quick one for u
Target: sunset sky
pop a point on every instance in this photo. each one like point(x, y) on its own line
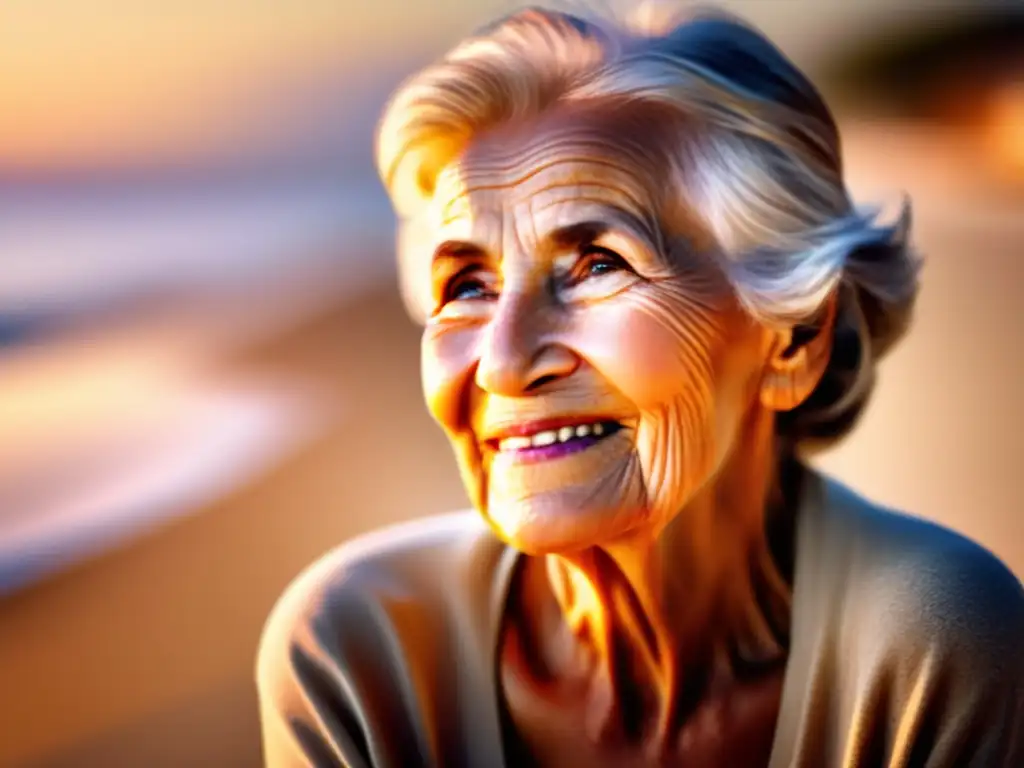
point(91, 82)
point(109, 83)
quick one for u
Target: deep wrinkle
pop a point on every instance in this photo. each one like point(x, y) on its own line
point(664, 599)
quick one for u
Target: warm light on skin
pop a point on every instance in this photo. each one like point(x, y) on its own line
point(647, 236)
point(655, 342)
point(656, 532)
point(613, 342)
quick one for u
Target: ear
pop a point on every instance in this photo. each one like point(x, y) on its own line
point(798, 361)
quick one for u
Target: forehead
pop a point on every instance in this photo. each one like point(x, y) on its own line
point(548, 168)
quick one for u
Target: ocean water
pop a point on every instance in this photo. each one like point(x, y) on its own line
point(71, 249)
point(129, 454)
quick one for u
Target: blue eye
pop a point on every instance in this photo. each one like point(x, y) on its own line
point(596, 261)
point(469, 284)
point(469, 289)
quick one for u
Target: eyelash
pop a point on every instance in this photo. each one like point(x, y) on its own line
point(590, 256)
point(462, 279)
point(595, 255)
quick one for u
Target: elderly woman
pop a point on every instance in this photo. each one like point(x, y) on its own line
point(644, 287)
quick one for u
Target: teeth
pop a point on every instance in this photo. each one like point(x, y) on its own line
point(551, 436)
point(547, 437)
point(514, 444)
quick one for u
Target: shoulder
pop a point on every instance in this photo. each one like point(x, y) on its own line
point(911, 623)
point(364, 631)
point(925, 582)
point(424, 561)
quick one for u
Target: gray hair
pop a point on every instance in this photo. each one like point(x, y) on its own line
point(760, 167)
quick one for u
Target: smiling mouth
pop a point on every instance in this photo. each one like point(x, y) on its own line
point(556, 442)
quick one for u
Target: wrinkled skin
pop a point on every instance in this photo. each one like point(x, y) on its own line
point(569, 288)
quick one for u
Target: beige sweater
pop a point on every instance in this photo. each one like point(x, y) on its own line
point(907, 648)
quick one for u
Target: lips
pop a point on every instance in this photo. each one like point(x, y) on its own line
point(567, 433)
point(551, 437)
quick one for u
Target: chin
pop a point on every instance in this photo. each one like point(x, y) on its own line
point(557, 526)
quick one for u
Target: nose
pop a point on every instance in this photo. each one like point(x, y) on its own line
point(519, 353)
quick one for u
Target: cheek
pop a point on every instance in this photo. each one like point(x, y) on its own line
point(447, 363)
point(652, 349)
point(667, 354)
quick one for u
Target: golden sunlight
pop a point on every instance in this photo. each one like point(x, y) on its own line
point(85, 83)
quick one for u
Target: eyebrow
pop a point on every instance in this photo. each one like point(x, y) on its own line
point(577, 235)
point(457, 249)
point(567, 237)
point(453, 251)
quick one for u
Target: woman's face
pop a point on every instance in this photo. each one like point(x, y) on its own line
point(585, 355)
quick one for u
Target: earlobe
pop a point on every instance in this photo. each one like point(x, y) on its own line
point(798, 361)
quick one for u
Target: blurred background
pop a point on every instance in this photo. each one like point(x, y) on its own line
point(207, 378)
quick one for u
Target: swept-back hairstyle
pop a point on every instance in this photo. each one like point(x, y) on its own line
point(758, 163)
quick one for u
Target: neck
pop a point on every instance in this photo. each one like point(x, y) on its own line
point(659, 621)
